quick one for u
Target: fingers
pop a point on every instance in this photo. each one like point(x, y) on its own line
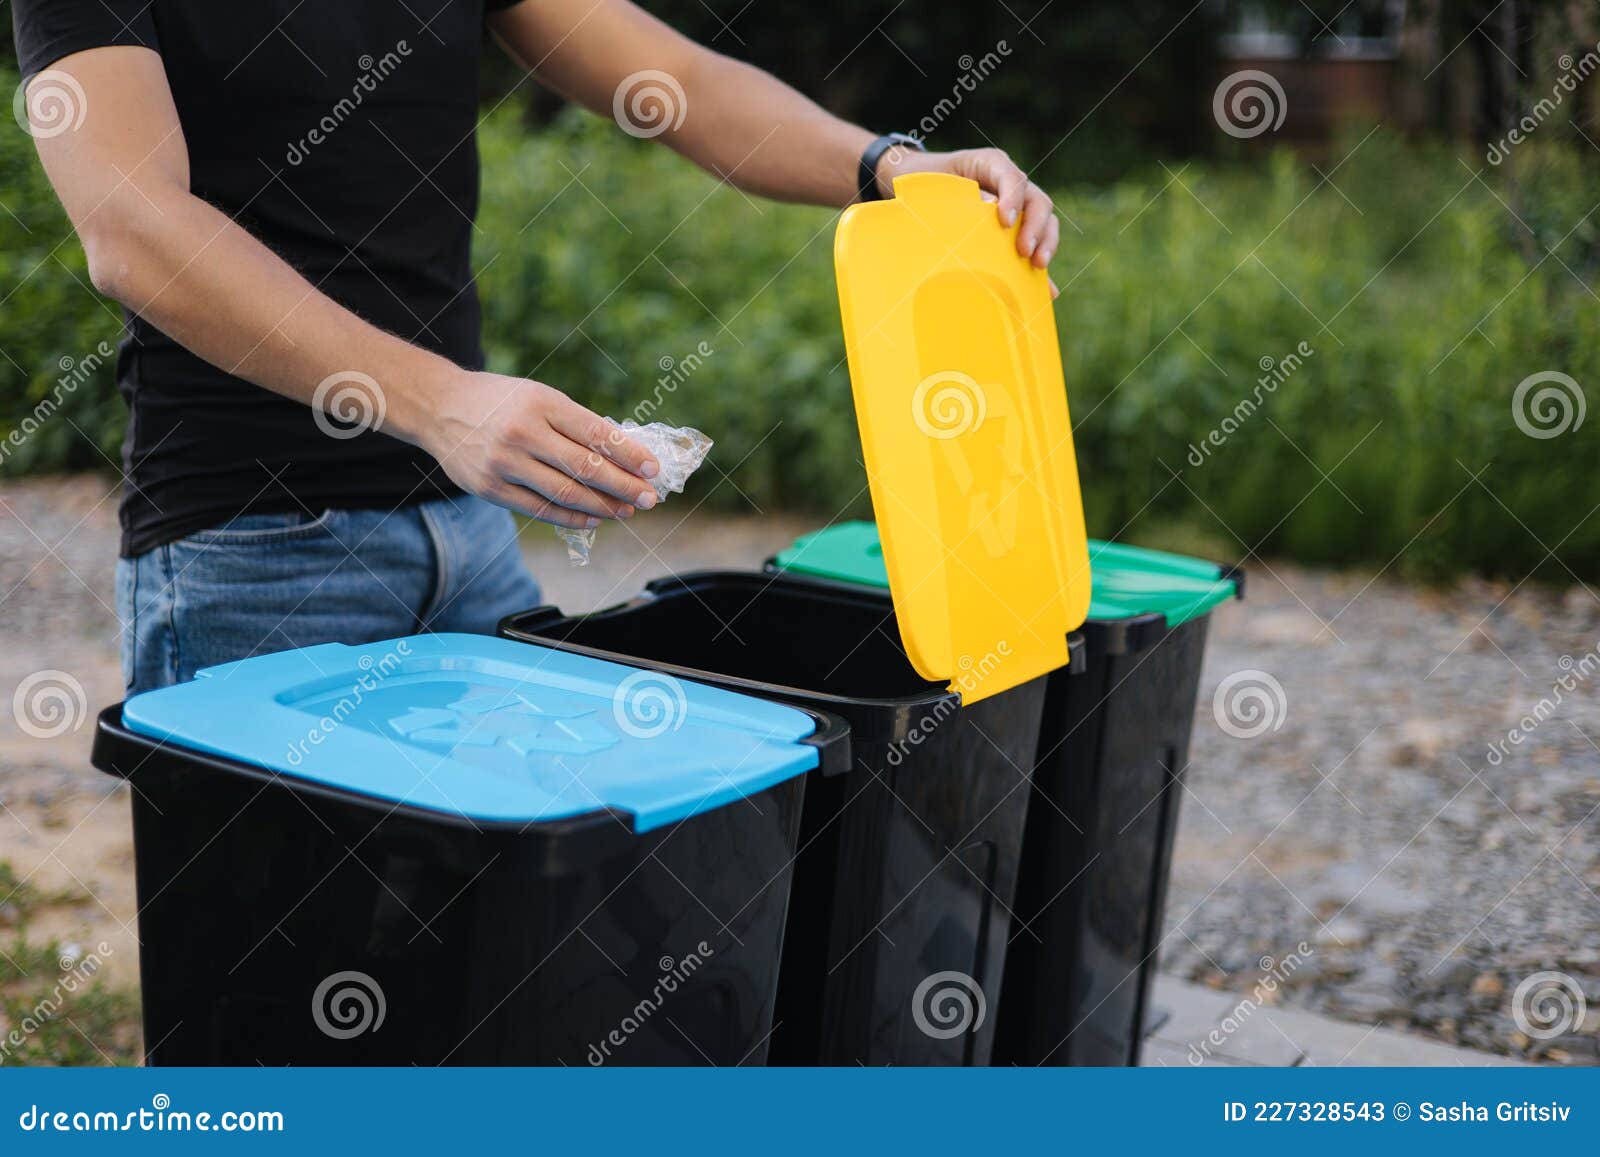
point(1016, 198)
point(563, 489)
point(537, 506)
point(594, 471)
point(1049, 239)
point(590, 430)
point(999, 174)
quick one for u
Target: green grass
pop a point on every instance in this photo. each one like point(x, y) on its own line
point(1426, 294)
point(54, 1009)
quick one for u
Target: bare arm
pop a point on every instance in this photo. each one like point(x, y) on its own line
point(172, 258)
point(733, 120)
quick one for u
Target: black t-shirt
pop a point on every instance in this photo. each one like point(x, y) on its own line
point(342, 136)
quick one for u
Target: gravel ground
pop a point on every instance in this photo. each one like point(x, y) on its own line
point(1428, 873)
point(1367, 820)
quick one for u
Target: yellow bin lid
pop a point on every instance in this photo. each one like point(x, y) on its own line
point(957, 379)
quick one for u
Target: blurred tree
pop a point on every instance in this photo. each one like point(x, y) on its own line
point(1100, 85)
point(1092, 88)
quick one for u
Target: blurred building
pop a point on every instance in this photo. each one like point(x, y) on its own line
point(1332, 74)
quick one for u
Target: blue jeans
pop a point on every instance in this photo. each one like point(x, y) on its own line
point(269, 582)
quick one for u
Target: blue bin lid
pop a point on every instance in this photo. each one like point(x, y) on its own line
point(487, 729)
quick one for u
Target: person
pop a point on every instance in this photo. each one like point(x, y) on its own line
point(281, 195)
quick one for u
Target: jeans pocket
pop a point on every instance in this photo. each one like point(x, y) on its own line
point(264, 529)
point(128, 616)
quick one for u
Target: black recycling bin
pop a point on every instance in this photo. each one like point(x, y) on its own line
point(460, 850)
point(900, 907)
point(1106, 787)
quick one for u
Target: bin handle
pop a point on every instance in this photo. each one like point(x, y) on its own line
point(832, 741)
point(537, 619)
point(688, 579)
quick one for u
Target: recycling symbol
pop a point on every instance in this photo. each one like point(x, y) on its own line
point(489, 718)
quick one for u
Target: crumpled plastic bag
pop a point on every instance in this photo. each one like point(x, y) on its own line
point(678, 449)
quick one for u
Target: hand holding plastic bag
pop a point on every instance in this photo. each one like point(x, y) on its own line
point(678, 449)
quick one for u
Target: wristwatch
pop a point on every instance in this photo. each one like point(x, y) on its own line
point(867, 177)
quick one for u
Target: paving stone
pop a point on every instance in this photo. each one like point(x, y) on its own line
point(1192, 1010)
point(1286, 1036)
point(1329, 1042)
point(1163, 1054)
point(1260, 1041)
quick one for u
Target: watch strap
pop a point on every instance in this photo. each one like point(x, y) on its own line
point(867, 175)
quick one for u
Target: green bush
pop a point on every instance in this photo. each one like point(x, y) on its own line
point(617, 272)
point(1424, 302)
point(51, 320)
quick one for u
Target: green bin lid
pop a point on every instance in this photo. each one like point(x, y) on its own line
point(1128, 581)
